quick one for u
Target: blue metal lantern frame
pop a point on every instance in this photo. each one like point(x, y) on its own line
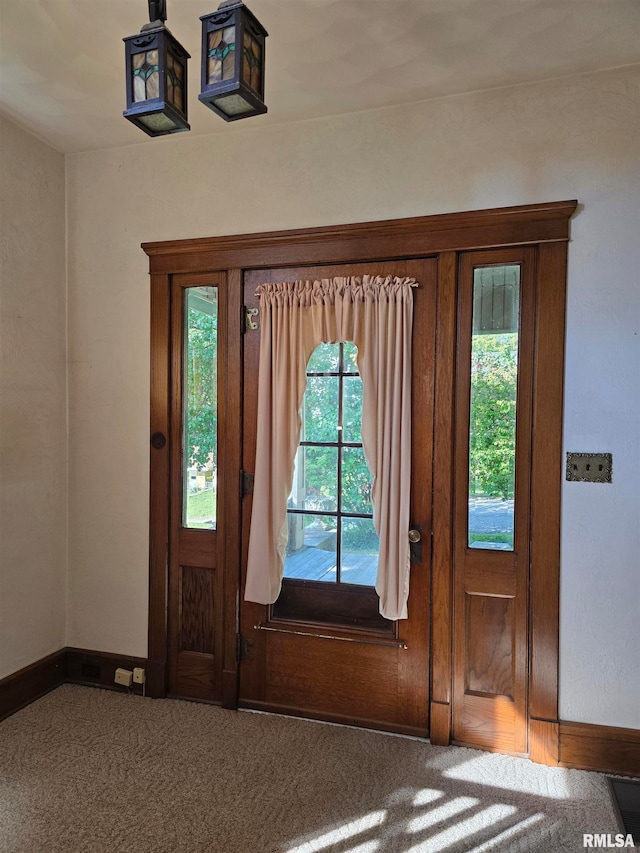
point(160, 39)
point(232, 14)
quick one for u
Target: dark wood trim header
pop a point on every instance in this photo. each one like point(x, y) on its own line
point(398, 238)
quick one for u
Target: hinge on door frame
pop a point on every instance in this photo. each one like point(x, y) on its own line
point(243, 648)
point(246, 483)
point(248, 322)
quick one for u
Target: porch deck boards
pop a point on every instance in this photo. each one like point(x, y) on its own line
point(315, 564)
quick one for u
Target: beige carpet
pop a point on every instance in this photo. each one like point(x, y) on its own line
point(86, 770)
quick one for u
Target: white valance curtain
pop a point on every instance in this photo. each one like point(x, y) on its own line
point(376, 314)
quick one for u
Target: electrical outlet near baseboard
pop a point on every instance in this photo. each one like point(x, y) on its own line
point(138, 675)
point(123, 676)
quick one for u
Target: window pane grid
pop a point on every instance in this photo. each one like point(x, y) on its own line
point(342, 533)
point(330, 514)
point(354, 444)
point(339, 525)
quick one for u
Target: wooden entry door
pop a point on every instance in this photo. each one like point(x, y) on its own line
point(322, 650)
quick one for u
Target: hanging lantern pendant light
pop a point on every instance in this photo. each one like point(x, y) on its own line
point(156, 75)
point(233, 43)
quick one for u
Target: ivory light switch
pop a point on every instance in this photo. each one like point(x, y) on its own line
point(589, 467)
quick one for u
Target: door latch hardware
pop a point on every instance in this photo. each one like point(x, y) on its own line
point(158, 441)
point(415, 544)
point(244, 648)
point(246, 483)
point(249, 324)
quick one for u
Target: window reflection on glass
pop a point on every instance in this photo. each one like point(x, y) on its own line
point(331, 533)
point(356, 481)
point(320, 409)
point(359, 551)
point(349, 358)
point(492, 433)
point(315, 479)
point(200, 413)
point(325, 359)
point(312, 547)
point(352, 409)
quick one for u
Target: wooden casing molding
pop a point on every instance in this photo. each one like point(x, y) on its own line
point(364, 241)
point(545, 227)
point(585, 746)
point(604, 748)
point(579, 745)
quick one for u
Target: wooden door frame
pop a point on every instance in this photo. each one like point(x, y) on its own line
point(162, 378)
point(545, 226)
point(300, 677)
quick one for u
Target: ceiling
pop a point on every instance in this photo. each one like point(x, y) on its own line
point(62, 61)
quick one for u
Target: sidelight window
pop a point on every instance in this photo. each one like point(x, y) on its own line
point(200, 407)
point(492, 417)
point(330, 516)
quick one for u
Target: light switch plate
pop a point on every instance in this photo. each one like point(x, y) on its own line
point(589, 467)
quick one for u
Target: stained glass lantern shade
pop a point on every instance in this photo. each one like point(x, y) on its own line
point(233, 62)
point(156, 71)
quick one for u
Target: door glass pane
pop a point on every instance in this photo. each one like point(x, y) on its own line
point(315, 479)
point(320, 409)
point(200, 414)
point(358, 551)
point(331, 481)
point(350, 355)
point(312, 546)
point(352, 409)
point(492, 433)
point(356, 482)
point(324, 359)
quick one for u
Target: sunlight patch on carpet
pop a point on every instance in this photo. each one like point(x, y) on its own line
point(459, 831)
point(422, 798)
point(538, 780)
point(509, 834)
point(342, 833)
point(453, 807)
point(368, 847)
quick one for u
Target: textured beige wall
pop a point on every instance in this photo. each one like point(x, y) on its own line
point(572, 138)
point(33, 401)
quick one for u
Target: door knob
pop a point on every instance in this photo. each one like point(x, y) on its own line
point(414, 536)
